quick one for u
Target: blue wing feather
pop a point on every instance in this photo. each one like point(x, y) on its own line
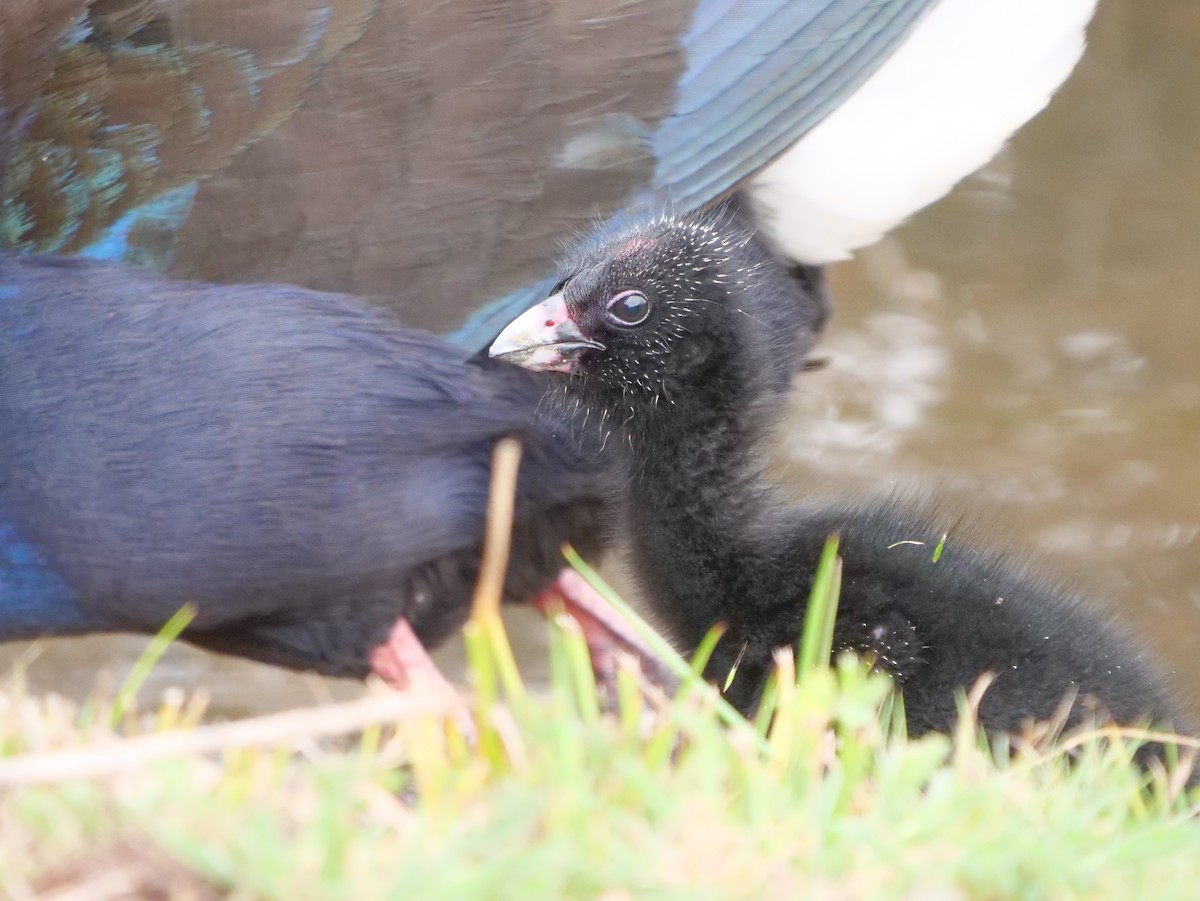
point(34, 600)
point(762, 73)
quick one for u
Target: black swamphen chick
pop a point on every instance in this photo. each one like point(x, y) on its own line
point(667, 334)
point(312, 476)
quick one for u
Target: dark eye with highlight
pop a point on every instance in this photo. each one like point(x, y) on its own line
point(629, 308)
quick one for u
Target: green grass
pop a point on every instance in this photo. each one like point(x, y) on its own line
point(552, 797)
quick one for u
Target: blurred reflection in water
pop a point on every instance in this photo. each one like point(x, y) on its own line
point(1029, 349)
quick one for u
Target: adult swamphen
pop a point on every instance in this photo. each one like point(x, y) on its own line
point(432, 156)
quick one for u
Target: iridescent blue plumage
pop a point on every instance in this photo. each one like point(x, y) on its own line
point(34, 600)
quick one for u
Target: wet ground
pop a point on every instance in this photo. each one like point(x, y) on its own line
point(1028, 349)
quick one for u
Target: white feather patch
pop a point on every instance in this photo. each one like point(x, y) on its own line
point(969, 75)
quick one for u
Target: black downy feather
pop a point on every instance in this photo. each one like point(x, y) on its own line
point(688, 394)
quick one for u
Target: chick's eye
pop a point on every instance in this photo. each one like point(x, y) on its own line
point(629, 308)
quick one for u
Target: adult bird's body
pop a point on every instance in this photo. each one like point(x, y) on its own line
point(295, 464)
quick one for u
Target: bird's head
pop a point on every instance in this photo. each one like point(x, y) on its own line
point(669, 308)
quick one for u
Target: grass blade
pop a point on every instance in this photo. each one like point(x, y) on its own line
point(816, 640)
point(140, 671)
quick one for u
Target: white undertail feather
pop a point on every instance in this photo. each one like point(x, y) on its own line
point(969, 75)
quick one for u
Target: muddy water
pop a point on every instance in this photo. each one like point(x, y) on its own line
point(1028, 350)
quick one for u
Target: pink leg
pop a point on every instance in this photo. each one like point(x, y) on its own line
point(403, 663)
point(603, 630)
